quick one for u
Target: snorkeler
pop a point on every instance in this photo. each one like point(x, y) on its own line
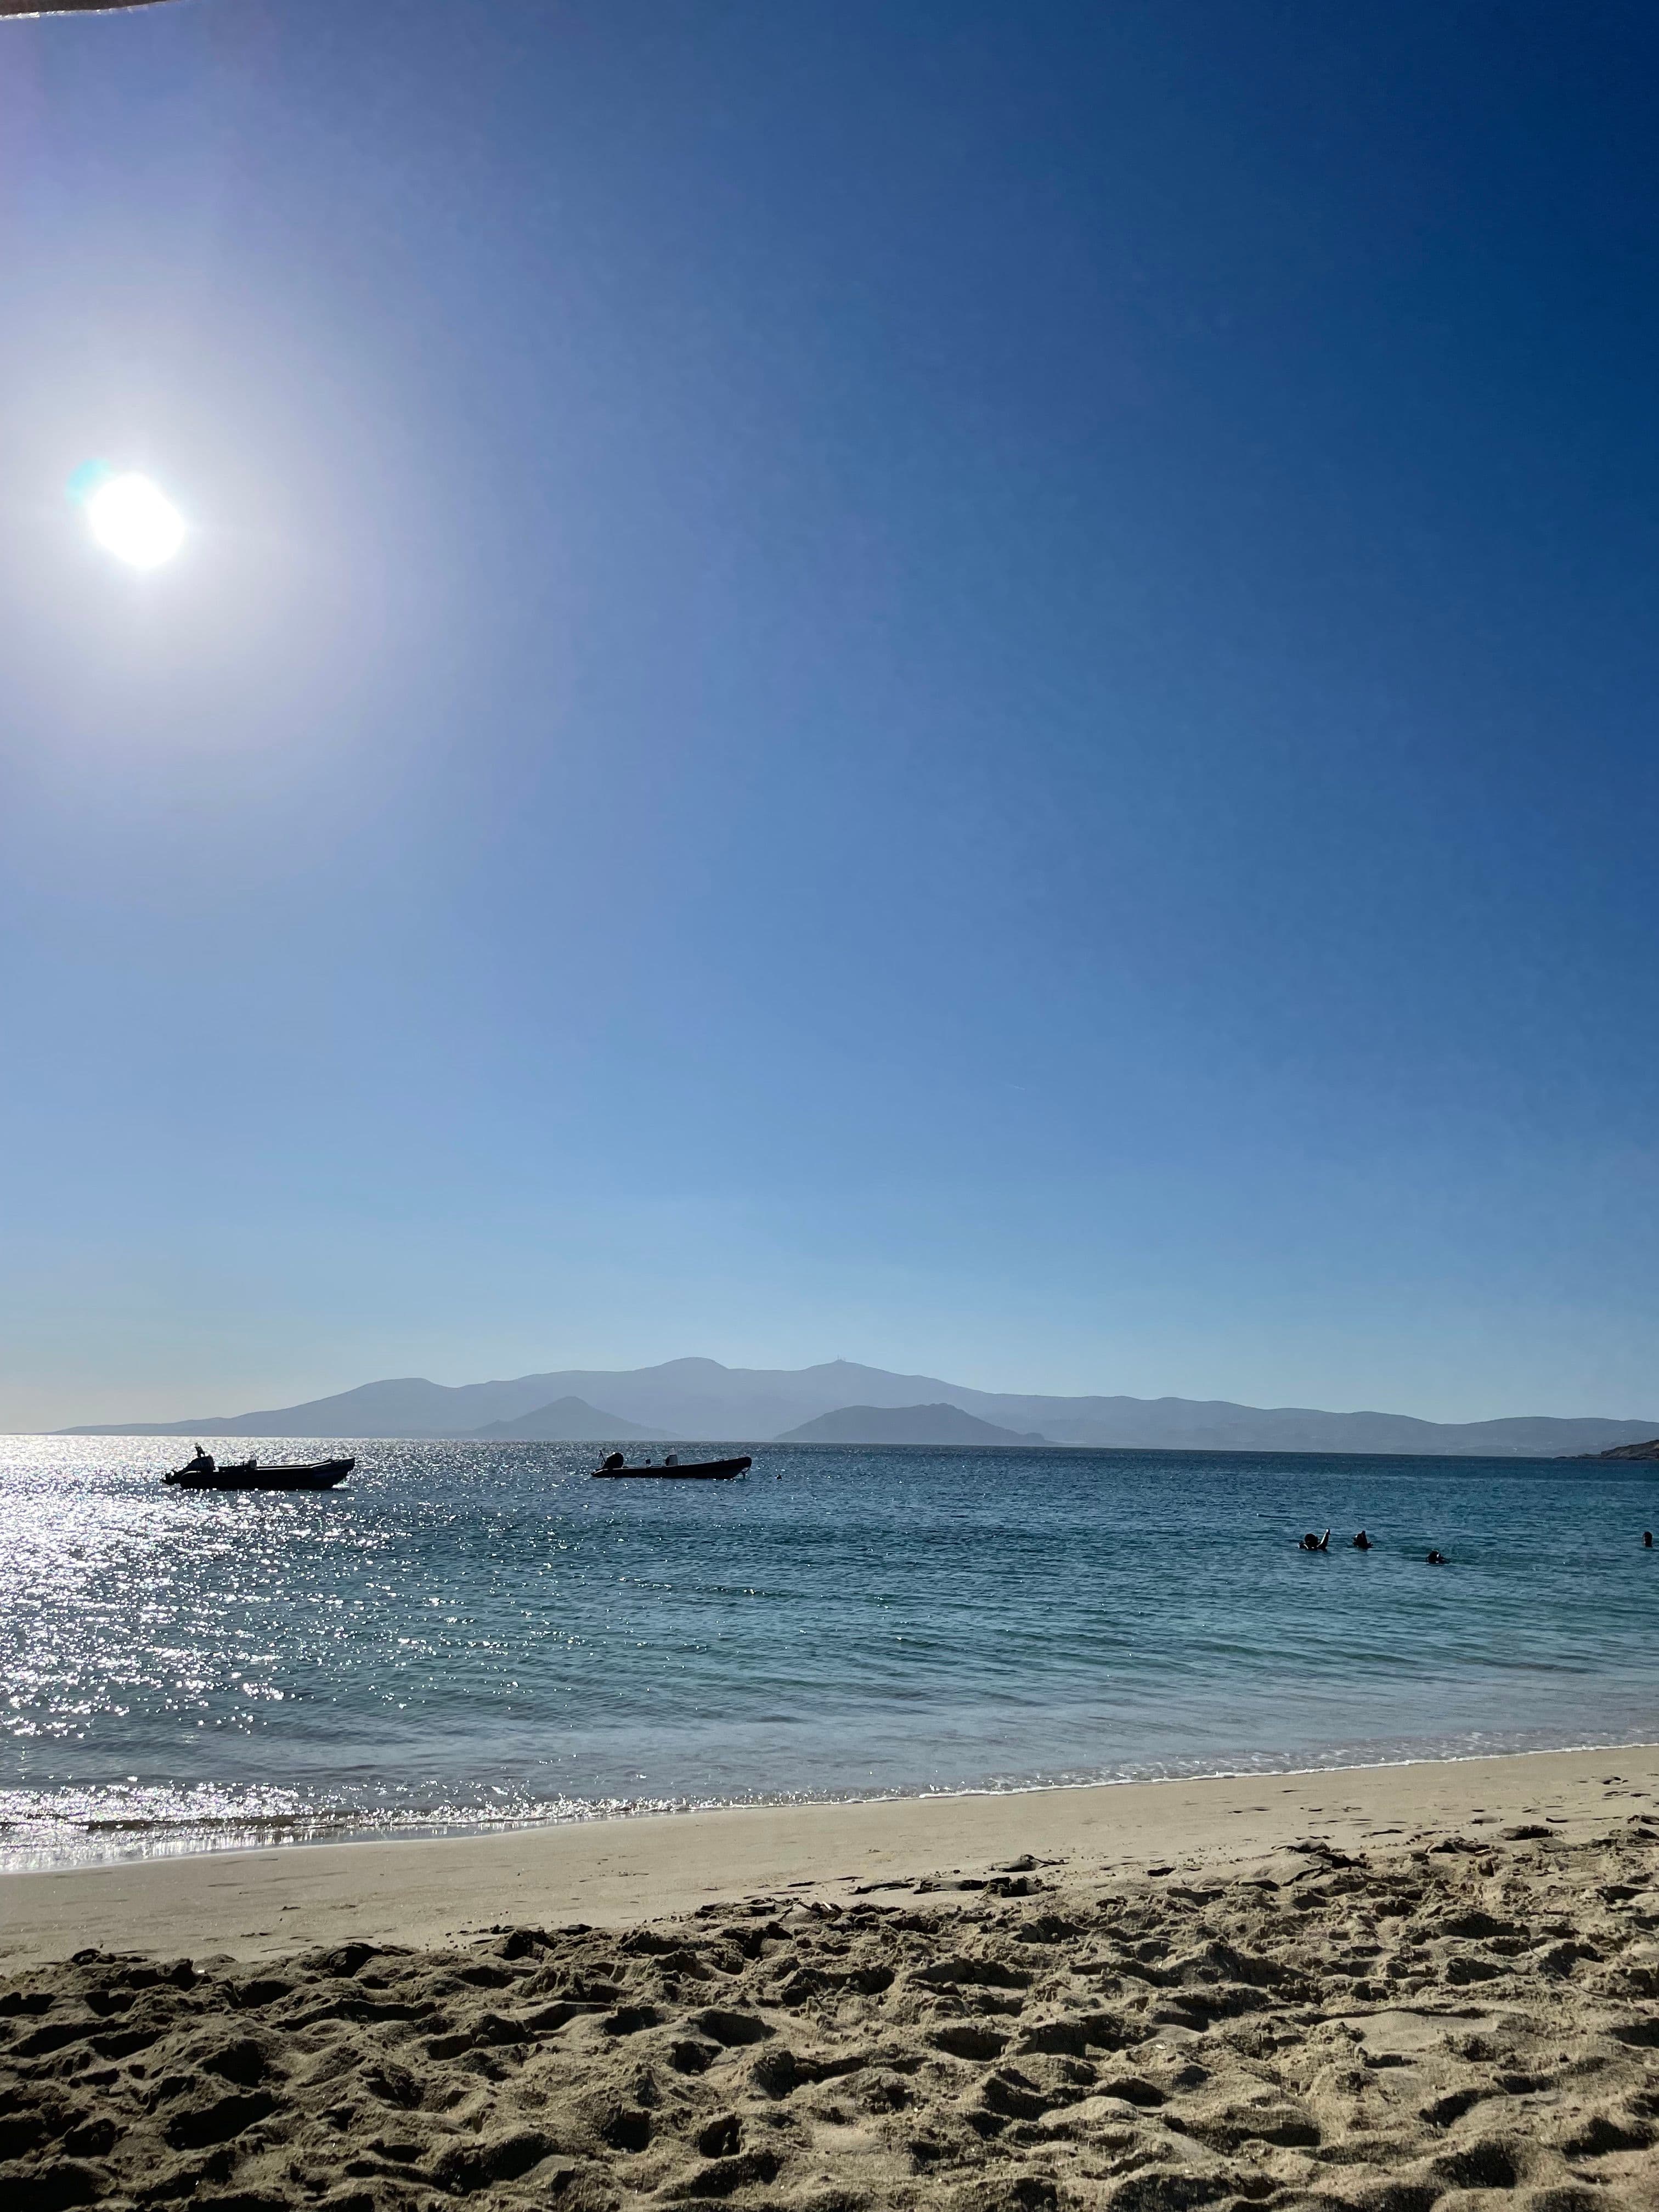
point(1312, 1543)
point(1438, 1559)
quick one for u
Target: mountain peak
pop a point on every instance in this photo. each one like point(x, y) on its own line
point(904, 1424)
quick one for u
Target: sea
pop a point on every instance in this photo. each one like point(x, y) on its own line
point(468, 1635)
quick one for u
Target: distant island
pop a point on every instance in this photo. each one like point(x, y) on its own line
point(568, 1421)
point(693, 1400)
point(1649, 1450)
point(903, 1424)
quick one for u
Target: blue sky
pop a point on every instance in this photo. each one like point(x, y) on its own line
point(963, 685)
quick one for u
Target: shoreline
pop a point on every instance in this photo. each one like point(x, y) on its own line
point(168, 1841)
point(256, 1900)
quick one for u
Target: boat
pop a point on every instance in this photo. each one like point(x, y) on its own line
point(703, 1470)
point(203, 1474)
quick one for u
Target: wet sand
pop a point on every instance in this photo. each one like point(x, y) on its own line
point(1430, 1986)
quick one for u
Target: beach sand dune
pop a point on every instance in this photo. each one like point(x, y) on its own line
point(1461, 2021)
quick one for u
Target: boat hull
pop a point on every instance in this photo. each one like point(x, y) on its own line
point(707, 1470)
point(326, 1474)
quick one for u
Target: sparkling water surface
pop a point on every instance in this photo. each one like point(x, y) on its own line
point(468, 1634)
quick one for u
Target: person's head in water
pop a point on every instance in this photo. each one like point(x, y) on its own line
point(1436, 1558)
point(1312, 1543)
point(1362, 1542)
point(1647, 1538)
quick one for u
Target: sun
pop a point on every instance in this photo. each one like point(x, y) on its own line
point(131, 518)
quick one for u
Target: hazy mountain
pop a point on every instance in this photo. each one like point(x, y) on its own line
point(566, 1421)
point(699, 1398)
point(903, 1424)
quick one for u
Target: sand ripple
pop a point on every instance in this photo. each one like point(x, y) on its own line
point(1462, 2025)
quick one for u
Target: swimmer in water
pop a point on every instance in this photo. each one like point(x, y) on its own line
point(1647, 1539)
point(1312, 1543)
point(1438, 1560)
point(1362, 1542)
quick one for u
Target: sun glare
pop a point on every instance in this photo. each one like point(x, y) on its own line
point(131, 519)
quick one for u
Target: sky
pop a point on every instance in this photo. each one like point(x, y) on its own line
point(963, 685)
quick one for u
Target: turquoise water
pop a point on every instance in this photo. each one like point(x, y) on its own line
point(470, 1634)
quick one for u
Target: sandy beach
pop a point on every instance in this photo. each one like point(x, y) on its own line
point(1387, 1989)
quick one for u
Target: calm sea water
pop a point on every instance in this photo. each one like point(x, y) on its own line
point(469, 1634)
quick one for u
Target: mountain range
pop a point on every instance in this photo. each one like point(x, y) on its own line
point(691, 1399)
